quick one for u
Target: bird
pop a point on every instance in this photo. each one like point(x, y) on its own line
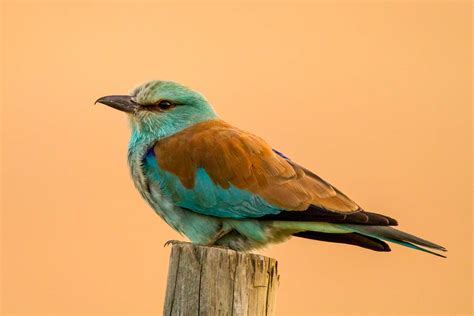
point(222, 186)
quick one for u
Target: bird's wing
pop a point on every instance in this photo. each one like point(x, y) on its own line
point(216, 169)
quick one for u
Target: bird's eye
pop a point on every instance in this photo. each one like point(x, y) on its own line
point(165, 105)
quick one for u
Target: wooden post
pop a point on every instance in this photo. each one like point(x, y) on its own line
point(218, 281)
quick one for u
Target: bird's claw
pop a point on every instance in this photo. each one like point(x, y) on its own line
point(172, 242)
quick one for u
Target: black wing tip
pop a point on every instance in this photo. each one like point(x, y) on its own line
point(354, 239)
point(318, 214)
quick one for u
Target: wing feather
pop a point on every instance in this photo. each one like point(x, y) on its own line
point(234, 158)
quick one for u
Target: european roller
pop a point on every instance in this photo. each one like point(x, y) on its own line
point(219, 185)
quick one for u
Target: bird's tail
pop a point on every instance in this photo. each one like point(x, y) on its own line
point(396, 236)
point(367, 236)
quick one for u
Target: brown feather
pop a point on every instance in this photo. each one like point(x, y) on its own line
point(231, 156)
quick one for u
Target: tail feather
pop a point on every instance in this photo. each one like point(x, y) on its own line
point(413, 246)
point(396, 236)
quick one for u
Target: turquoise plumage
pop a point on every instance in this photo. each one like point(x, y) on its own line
point(219, 185)
point(206, 197)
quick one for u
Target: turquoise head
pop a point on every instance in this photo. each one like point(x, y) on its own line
point(159, 109)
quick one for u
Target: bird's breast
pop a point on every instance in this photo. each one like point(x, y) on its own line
point(147, 182)
point(155, 188)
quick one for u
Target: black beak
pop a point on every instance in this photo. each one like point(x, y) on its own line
point(120, 102)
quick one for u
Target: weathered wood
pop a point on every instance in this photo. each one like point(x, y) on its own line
point(218, 281)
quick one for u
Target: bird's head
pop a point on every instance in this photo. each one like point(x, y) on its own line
point(161, 108)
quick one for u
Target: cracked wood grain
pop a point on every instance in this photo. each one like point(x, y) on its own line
point(217, 281)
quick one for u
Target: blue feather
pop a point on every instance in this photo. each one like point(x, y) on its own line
point(206, 197)
point(280, 154)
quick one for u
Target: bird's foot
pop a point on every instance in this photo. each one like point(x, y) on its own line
point(173, 242)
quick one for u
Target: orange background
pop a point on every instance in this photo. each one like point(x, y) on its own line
point(373, 96)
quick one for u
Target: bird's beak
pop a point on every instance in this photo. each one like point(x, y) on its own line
point(120, 102)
